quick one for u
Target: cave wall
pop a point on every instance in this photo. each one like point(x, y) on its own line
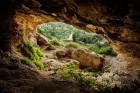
point(7, 23)
point(120, 19)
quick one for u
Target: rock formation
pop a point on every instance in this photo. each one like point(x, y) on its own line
point(117, 20)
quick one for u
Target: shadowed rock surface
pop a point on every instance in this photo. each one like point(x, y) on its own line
point(119, 21)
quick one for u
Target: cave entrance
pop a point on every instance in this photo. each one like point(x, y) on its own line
point(65, 35)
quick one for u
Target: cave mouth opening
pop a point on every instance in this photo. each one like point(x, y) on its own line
point(65, 35)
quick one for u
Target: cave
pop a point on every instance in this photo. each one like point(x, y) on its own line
point(69, 46)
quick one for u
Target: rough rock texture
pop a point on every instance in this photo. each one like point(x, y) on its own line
point(83, 56)
point(7, 23)
point(87, 59)
point(18, 78)
point(119, 20)
point(60, 53)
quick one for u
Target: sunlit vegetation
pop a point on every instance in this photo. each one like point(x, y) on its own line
point(56, 42)
point(72, 45)
point(101, 48)
point(56, 29)
point(32, 54)
point(86, 77)
point(61, 34)
point(86, 37)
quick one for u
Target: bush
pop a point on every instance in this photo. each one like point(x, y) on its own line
point(85, 37)
point(33, 54)
point(87, 77)
point(81, 38)
point(58, 30)
point(71, 71)
point(102, 49)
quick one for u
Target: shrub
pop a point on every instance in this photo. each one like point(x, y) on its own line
point(85, 77)
point(33, 53)
point(85, 37)
point(55, 29)
point(102, 49)
point(59, 33)
point(104, 87)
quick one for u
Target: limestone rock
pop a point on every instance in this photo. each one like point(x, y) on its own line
point(41, 40)
point(87, 59)
point(61, 53)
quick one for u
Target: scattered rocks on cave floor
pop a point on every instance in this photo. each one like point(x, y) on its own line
point(22, 79)
point(112, 77)
point(59, 58)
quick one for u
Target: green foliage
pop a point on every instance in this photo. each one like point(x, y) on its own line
point(70, 71)
point(104, 87)
point(39, 64)
point(59, 33)
point(86, 77)
point(72, 45)
point(83, 79)
point(101, 49)
point(72, 64)
point(86, 37)
point(26, 61)
point(33, 53)
point(56, 29)
point(66, 74)
point(78, 75)
point(55, 42)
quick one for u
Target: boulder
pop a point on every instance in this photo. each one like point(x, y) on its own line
point(60, 53)
point(43, 41)
point(87, 59)
point(92, 28)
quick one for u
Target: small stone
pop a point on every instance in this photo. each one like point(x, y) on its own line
point(41, 40)
point(61, 53)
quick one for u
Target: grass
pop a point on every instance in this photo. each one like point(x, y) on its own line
point(33, 54)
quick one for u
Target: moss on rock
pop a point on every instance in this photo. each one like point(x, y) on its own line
point(33, 54)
